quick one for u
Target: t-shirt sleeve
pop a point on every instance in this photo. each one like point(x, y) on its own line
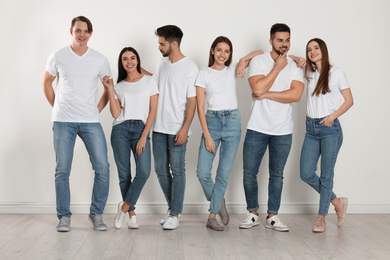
point(105, 70)
point(115, 95)
point(191, 89)
point(298, 73)
point(153, 87)
point(51, 65)
point(233, 68)
point(201, 79)
point(256, 67)
point(342, 82)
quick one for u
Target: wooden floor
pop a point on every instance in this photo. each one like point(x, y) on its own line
point(35, 237)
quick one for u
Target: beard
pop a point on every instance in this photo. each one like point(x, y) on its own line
point(169, 51)
point(279, 51)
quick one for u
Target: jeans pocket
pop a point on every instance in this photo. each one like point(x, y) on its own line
point(210, 114)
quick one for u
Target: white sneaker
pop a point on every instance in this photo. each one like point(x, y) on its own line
point(133, 222)
point(120, 216)
point(250, 221)
point(172, 222)
point(275, 224)
point(162, 221)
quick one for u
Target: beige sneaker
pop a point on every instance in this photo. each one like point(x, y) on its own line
point(320, 226)
point(342, 211)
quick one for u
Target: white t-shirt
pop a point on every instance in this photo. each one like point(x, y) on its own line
point(324, 105)
point(176, 83)
point(135, 99)
point(77, 94)
point(220, 87)
point(269, 116)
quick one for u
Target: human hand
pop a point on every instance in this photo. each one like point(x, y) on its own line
point(108, 82)
point(141, 146)
point(181, 136)
point(327, 121)
point(210, 145)
point(281, 61)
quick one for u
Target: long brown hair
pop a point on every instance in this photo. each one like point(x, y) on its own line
point(216, 41)
point(322, 86)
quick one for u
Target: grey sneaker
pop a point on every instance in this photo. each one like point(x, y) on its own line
point(213, 224)
point(63, 225)
point(97, 222)
point(223, 214)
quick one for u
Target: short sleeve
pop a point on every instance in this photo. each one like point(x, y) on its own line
point(51, 65)
point(153, 87)
point(201, 79)
point(233, 68)
point(105, 70)
point(256, 67)
point(342, 82)
point(191, 89)
point(298, 73)
point(115, 95)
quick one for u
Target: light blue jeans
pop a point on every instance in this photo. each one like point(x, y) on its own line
point(169, 164)
point(124, 139)
point(323, 141)
point(225, 129)
point(255, 146)
point(64, 139)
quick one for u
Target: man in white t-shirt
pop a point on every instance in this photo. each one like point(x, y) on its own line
point(276, 81)
point(175, 76)
point(76, 108)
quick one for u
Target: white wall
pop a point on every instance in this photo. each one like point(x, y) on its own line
point(357, 34)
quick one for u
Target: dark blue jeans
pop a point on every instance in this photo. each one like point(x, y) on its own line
point(324, 141)
point(124, 139)
point(255, 146)
point(169, 163)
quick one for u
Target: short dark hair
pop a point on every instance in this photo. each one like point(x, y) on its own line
point(214, 44)
point(82, 19)
point(278, 27)
point(122, 73)
point(171, 33)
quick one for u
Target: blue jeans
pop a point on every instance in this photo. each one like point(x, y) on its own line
point(255, 146)
point(64, 139)
point(225, 129)
point(169, 163)
point(324, 141)
point(124, 139)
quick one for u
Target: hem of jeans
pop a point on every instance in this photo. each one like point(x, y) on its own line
point(252, 209)
point(61, 216)
point(272, 212)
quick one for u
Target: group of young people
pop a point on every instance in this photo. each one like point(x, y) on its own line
point(165, 104)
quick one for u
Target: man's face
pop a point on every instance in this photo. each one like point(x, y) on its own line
point(80, 33)
point(164, 46)
point(281, 42)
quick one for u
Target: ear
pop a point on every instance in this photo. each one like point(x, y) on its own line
point(71, 31)
point(270, 41)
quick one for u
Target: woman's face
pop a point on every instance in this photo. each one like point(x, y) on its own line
point(129, 61)
point(221, 53)
point(314, 52)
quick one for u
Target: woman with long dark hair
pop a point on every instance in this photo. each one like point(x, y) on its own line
point(133, 104)
point(221, 124)
point(328, 97)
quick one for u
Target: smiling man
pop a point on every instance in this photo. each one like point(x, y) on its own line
point(276, 82)
point(78, 70)
point(175, 76)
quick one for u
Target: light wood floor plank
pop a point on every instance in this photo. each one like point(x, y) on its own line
point(35, 237)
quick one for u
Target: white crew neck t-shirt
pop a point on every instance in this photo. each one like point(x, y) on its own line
point(324, 105)
point(220, 87)
point(269, 116)
point(176, 83)
point(135, 99)
point(77, 94)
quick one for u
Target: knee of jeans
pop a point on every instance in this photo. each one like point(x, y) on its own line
point(202, 176)
point(276, 178)
point(143, 174)
point(61, 176)
point(102, 173)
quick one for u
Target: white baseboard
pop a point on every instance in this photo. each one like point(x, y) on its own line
point(49, 208)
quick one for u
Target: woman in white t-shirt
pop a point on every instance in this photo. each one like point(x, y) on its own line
point(328, 97)
point(133, 104)
point(221, 124)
